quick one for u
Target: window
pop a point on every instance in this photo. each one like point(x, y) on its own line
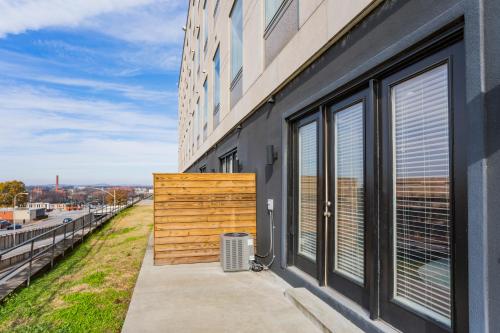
point(349, 192)
point(216, 7)
point(307, 191)
point(421, 185)
point(229, 163)
point(216, 96)
point(272, 7)
point(195, 128)
point(236, 40)
point(205, 109)
point(197, 55)
point(205, 26)
point(198, 122)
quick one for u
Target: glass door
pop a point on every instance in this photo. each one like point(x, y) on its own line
point(423, 210)
point(346, 205)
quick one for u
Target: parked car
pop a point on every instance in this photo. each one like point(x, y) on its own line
point(14, 226)
point(68, 220)
point(4, 224)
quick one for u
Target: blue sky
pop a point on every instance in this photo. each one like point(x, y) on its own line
point(88, 89)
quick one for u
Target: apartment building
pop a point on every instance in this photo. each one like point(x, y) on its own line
point(374, 127)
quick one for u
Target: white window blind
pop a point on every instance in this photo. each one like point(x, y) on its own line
point(422, 212)
point(349, 192)
point(236, 39)
point(308, 169)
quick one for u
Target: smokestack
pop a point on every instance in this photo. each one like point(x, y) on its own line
point(57, 183)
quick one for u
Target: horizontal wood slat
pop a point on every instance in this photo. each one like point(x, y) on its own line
point(204, 211)
point(161, 177)
point(192, 210)
point(204, 197)
point(204, 218)
point(186, 246)
point(185, 260)
point(188, 239)
point(206, 204)
point(201, 232)
point(205, 183)
point(203, 225)
point(204, 190)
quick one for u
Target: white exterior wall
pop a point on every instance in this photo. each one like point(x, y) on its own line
point(320, 24)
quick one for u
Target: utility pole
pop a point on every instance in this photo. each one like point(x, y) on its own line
point(102, 190)
point(14, 214)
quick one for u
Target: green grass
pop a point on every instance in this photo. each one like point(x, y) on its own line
point(88, 291)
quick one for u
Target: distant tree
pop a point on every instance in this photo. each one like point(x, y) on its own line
point(8, 190)
point(122, 196)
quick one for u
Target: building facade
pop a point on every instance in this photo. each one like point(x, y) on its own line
point(374, 126)
point(28, 215)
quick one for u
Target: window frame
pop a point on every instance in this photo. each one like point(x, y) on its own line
point(394, 311)
point(216, 8)
point(205, 27)
point(216, 84)
point(269, 24)
point(236, 75)
point(351, 288)
point(294, 258)
point(205, 109)
point(223, 159)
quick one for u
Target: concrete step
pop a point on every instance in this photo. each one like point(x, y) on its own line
point(320, 313)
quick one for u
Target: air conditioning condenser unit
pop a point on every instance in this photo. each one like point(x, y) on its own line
point(236, 251)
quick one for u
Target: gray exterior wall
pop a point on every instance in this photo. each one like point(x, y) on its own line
point(392, 28)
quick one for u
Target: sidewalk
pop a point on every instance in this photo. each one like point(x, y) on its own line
point(202, 298)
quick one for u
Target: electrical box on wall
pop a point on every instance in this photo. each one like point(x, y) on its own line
point(270, 204)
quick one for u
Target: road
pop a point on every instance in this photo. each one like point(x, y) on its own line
point(55, 218)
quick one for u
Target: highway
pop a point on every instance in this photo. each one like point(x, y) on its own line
point(55, 218)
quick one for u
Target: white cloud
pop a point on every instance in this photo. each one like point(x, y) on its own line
point(131, 91)
point(21, 15)
point(152, 21)
point(159, 22)
point(87, 141)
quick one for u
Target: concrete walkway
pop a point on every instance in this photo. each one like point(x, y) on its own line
point(202, 298)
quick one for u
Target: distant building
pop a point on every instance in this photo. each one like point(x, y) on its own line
point(28, 215)
point(6, 214)
point(51, 206)
point(45, 205)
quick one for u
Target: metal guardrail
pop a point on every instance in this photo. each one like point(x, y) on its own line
point(90, 221)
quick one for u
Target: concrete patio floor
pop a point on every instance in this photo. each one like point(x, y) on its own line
point(202, 298)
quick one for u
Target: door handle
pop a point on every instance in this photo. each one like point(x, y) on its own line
point(327, 212)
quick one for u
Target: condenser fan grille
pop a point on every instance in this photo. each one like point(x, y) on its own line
point(234, 251)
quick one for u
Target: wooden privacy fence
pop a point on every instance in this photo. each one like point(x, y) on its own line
point(193, 209)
